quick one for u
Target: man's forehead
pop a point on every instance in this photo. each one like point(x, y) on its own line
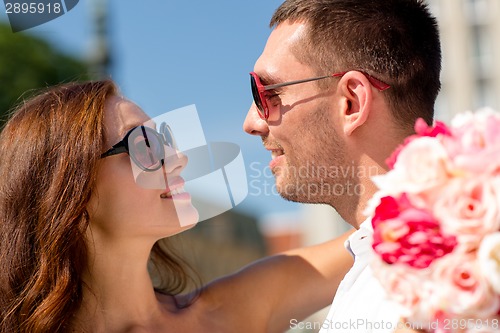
point(278, 51)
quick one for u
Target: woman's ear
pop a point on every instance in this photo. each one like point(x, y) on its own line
point(356, 91)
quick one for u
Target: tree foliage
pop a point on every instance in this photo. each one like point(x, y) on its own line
point(29, 63)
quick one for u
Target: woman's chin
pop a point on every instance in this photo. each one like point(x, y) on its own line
point(186, 218)
point(187, 214)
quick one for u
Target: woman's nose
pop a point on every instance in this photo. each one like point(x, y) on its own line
point(175, 161)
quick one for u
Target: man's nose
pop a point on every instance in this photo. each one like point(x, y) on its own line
point(253, 124)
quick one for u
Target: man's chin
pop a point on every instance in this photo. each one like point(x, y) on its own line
point(301, 193)
point(292, 192)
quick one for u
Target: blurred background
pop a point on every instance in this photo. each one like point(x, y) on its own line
point(168, 54)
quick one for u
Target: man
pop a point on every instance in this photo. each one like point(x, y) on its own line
point(338, 86)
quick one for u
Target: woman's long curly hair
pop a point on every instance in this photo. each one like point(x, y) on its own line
point(49, 154)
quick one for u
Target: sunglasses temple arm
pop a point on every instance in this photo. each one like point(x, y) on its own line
point(274, 86)
point(117, 149)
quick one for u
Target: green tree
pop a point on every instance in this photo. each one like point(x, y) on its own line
point(28, 63)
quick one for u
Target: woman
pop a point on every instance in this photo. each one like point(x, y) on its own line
point(77, 233)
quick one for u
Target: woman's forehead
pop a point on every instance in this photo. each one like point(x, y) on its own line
point(120, 115)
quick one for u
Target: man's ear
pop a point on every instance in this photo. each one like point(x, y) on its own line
point(356, 92)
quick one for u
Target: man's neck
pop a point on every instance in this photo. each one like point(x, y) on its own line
point(352, 207)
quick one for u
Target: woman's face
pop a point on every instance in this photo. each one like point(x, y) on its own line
point(122, 206)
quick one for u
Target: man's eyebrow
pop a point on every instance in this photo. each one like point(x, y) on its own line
point(268, 79)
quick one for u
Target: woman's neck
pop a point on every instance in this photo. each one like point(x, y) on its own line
point(118, 293)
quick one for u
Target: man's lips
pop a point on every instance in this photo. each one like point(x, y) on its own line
point(277, 154)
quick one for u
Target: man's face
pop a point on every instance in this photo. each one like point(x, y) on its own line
point(301, 133)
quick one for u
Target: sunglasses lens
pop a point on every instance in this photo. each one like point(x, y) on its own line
point(146, 149)
point(166, 131)
point(256, 97)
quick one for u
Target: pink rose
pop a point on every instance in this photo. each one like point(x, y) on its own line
point(469, 208)
point(407, 234)
point(475, 142)
point(439, 128)
point(460, 288)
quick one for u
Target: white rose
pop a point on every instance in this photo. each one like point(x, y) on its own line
point(421, 165)
point(489, 259)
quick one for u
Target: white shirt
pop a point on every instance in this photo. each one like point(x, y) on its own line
point(360, 304)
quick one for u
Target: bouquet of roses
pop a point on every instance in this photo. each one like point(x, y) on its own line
point(436, 223)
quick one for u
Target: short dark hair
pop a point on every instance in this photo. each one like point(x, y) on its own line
point(396, 41)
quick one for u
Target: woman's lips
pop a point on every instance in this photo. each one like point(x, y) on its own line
point(175, 190)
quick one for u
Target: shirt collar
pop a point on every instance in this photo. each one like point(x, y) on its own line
point(360, 241)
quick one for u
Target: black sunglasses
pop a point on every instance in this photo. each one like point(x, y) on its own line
point(145, 146)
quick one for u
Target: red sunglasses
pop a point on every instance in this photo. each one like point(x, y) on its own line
point(260, 100)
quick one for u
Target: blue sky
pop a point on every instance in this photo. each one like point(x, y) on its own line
point(169, 54)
